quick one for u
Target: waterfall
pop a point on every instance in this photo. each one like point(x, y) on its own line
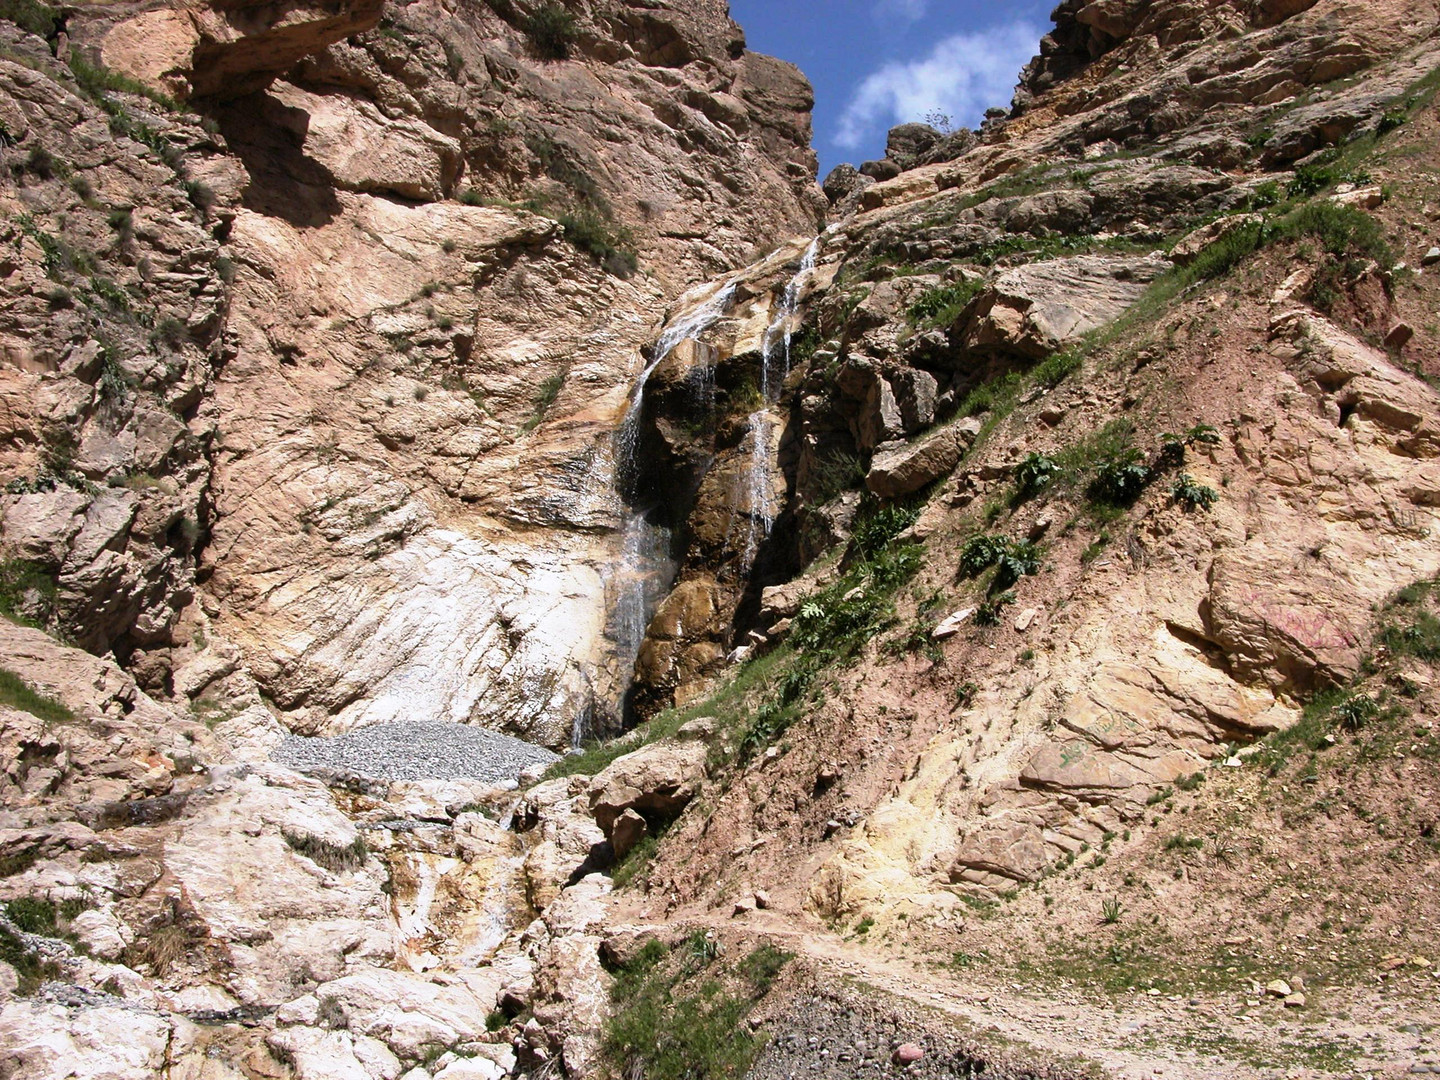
point(644, 570)
point(692, 324)
point(756, 501)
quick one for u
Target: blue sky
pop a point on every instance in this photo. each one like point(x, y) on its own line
point(877, 63)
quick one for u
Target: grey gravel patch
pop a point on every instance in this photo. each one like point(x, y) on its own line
point(415, 751)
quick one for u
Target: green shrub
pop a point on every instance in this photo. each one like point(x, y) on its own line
point(979, 553)
point(610, 244)
point(552, 30)
point(1021, 559)
point(879, 523)
point(1120, 479)
point(943, 306)
point(26, 586)
point(1034, 474)
point(1013, 559)
point(1192, 494)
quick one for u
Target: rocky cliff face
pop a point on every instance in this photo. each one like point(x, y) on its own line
point(1054, 528)
point(352, 336)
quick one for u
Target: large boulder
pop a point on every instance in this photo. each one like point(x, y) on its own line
point(901, 468)
point(656, 781)
point(1038, 309)
point(907, 142)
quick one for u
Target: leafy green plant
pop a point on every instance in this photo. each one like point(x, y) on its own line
point(1013, 559)
point(1111, 910)
point(980, 553)
point(1355, 712)
point(1035, 474)
point(1190, 493)
point(1020, 559)
point(988, 613)
point(1120, 478)
point(943, 306)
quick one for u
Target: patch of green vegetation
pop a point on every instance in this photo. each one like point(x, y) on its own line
point(18, 694)
point(834, 624)
point(1120, 478)
point(1013, 559)
point(763, 965)
point(636, 862)
point(95, 81)
point(1411, 627)
point(545, 397)
point(1054, 369)
point(1033, 475)
point(988, 613)
point(836, 472)
point(997, 395)
point(39, 19)
point(27, 587)
point(675, 1019)
point(552, 30)
point(32, 968)
point(612, 245)
point(338, 858)
point(1191, 494)
point(943, 306)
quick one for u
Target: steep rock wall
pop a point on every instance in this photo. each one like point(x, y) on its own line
point(385, 420)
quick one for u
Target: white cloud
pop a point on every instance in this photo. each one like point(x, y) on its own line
point(963, 75)
point(908, 10)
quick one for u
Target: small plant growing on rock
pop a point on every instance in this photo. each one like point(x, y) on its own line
point(1035, 474)
point(1111, 910)
point(552, 31)
point(988, 613)
point(980, 553)
point(1120, 479)
point(1355, 712)
point(1013, 559)
point(1191, 494)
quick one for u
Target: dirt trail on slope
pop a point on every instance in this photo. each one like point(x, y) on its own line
point(1081, 1032)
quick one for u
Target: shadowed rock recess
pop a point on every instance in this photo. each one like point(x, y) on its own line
point(503, 574)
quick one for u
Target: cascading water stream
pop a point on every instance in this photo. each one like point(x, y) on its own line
point(641, 577)
point(757, 498)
